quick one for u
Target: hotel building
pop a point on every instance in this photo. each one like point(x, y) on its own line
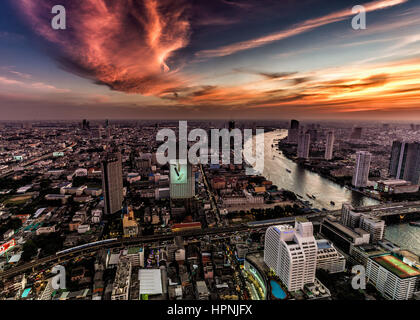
point(292, 254)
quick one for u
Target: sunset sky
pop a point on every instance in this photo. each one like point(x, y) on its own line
point(185, 59)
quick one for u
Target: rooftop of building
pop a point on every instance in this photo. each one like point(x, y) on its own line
point(396, 266)
point(323, 244)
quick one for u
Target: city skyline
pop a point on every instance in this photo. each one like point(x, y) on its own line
point(182, 60)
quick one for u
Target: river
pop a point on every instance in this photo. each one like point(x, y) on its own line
point(302, 181)
point(305, 182)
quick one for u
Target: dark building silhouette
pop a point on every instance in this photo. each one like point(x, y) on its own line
point(405, 161)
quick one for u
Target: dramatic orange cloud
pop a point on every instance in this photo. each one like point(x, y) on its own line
point(124, 44)
point(351, 88)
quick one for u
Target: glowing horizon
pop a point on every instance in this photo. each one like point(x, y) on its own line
point(239, 59)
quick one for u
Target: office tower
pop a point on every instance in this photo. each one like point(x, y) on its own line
point(182, 180)
point(293, 132)
point(361, 169)
point(329, 145)
point(292, 254)
point(356, 133)
point(405, 161)
point(349, 218)
point(304, 142)
point(112, 182)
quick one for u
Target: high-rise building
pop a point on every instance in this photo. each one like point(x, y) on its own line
point(292, 254)
point(405, 161)
point(182, 180)
point(304, 142)
point(112, 182)
point(366, 222)
point(349, 218)
point(329, 145)
point(373, 225)
point(293, 132)
point(356, 133)
point(361, 169)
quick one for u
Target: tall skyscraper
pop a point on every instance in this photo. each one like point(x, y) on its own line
point(361, 169)
point(304, 142)
point(293, 132)
point(329, 145)
point(405, 161)
point(112, 182)
point(182, 180)
point(292, 254)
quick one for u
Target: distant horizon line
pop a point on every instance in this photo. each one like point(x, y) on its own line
point(210, 120)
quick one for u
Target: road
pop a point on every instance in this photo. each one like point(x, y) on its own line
point(215, 209)
point(222, 231)
point(29, 162)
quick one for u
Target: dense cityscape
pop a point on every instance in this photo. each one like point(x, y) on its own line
point(209, 158)
point(90, 196)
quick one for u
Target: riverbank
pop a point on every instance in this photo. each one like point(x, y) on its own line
point(322, 168)
point(286, 174)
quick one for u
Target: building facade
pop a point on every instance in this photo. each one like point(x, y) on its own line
point(304, 142)
point(329, 145)
point(293, 133)
point(361, 169)
point(405, 161)
point(292, 254)
point(392, 277)
point(112, 182)
point(328, 258)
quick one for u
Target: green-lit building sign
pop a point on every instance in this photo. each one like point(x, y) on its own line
point(178, 173)
point(58, 154)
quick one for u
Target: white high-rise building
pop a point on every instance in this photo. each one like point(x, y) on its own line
point(373, 225)
point(329, 145)
point(350, 218)
point(292, 254)
point(361, 169)
point(304, 141)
